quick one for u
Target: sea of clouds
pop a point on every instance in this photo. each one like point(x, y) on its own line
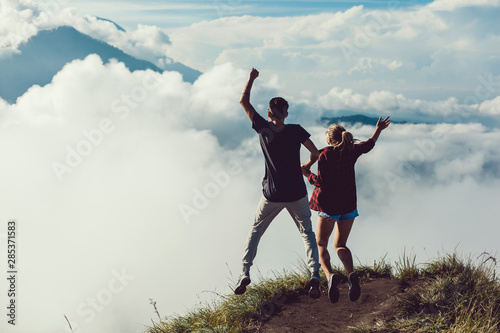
point(130, 186)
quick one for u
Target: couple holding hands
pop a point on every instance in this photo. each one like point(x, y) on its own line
point(334, 196)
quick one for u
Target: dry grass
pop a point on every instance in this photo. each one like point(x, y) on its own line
point(458, 296)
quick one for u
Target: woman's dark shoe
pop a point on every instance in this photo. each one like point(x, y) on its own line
point(354, 288)
point(333, 289)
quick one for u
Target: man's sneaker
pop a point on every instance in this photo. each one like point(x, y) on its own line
point(244, 281)
point(354, 288)
point(333, 289)
point(315, 290)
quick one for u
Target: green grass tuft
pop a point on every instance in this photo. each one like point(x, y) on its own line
point(380, 269)
point(239, 313)
point(458, 296)
point(407, 268)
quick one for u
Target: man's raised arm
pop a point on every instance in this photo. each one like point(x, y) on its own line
point(245, 96)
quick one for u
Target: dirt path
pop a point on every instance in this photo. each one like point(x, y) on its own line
point(378, 299)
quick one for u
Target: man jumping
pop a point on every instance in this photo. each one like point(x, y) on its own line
point(283, 184)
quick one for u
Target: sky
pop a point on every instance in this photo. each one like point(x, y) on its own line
point(172, 14)
point(130, 186)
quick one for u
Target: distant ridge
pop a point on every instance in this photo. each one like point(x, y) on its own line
point(46, 53)
point(354, 119)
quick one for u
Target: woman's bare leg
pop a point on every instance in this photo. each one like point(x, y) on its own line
point(323, 232)
point(339, 243)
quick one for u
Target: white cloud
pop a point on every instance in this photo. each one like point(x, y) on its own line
point(23, 19)
point(454, 4)
point(390, 103)
point(393, 65)
point(409, 49)
point(123, 182)
point(369, 65)
point(490, 107)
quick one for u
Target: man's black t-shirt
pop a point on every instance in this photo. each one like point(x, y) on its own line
point(283, 180)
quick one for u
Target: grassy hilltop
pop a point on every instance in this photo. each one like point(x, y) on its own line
point(450, 294)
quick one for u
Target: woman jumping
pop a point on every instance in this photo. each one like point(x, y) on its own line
point(335, 200)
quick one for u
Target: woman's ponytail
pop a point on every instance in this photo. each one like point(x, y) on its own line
point(339, 138)
point(347, 141)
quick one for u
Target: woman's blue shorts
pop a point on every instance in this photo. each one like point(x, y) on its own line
point(343, 217)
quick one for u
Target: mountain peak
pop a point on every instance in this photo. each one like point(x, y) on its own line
point(115, 24)
point(46, 53)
